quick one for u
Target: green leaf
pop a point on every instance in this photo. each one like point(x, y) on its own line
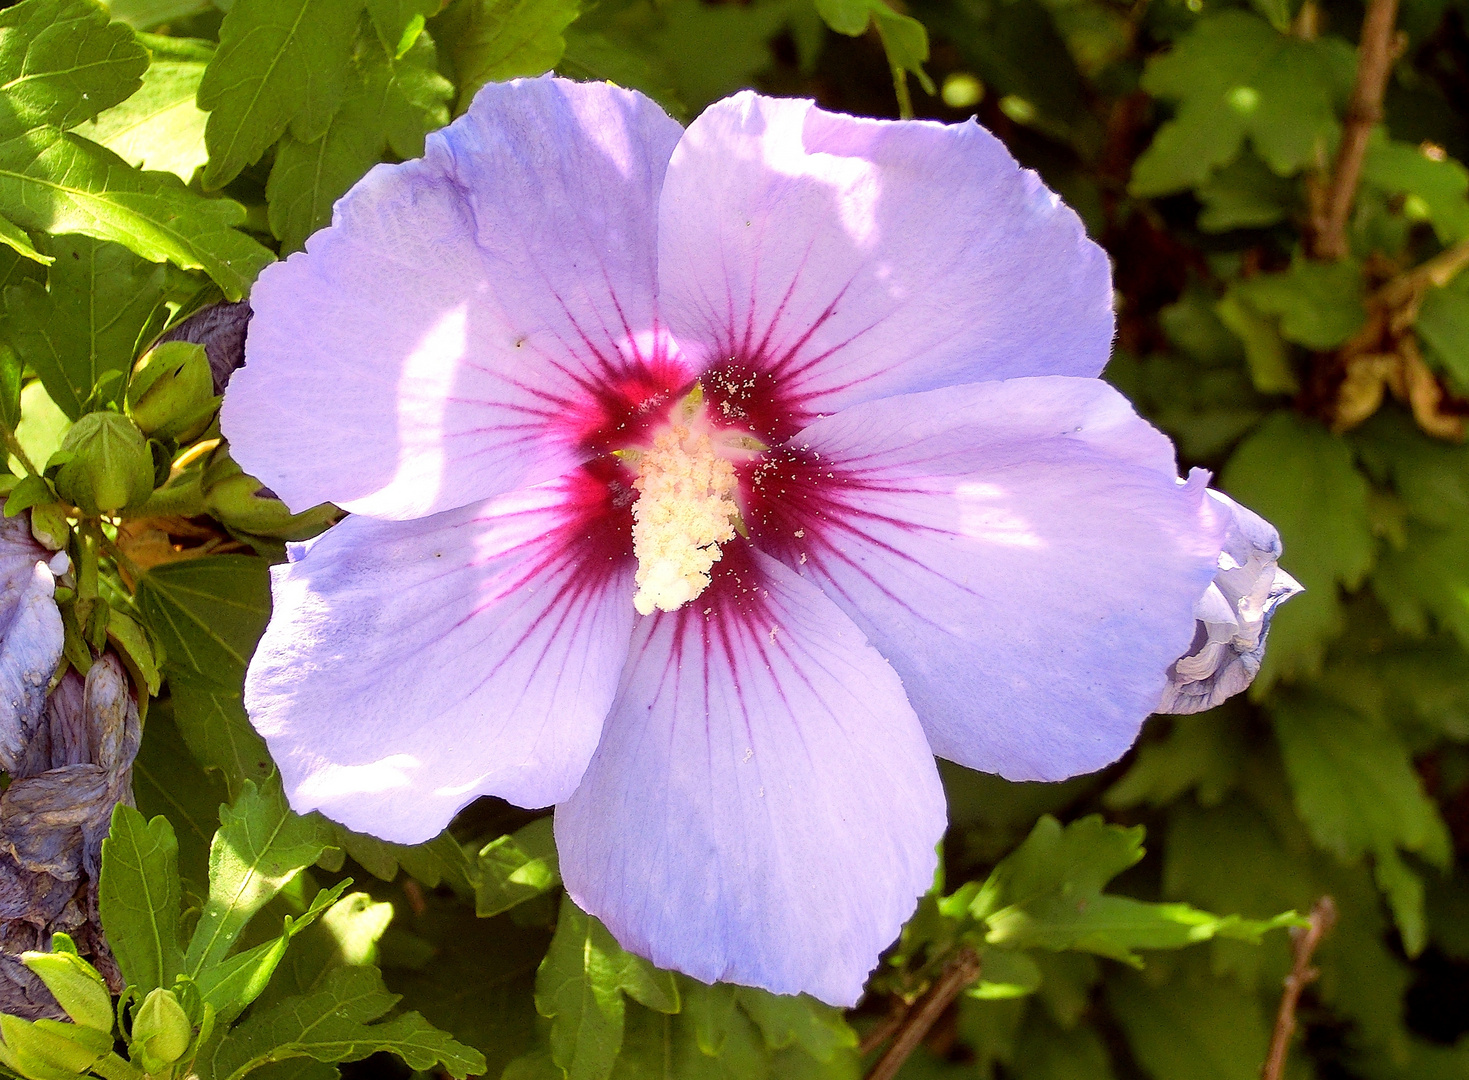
point(515, 868)
point(160, 127)
point(399, 22)
point(594, 54)
point(1265, 351)
point(69, 64)
point(42, 425)
point(1320, 304)
point(667, 1047)
point(388, 103)
point(712, 50)
point(1438, 183)
point(12, 372)
point(88, 324)
point(1005, 973)
point(1443, 324)
point(1427, 578)
point(494, 40)
point(1244, 194)
point(146, 14)
point(1203, 753)
point(1048, 894)
point(904, 39)
point(207, 613)
point(138, 898)
point(259, 848)
point(1234, 76)
point(233, 984)
point(15, 238)
point(1302, 478)
point(474, 977)
point(798, 1020)
point(280, 64)
point(580, 986)
point(1209, 1029)
point(334, 1024)
point(1046, 1052)
point(55, 182)
point(1357, 792)
point(216, 730)
point(167, 781)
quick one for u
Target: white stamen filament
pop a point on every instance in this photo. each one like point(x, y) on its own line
point(685, 510)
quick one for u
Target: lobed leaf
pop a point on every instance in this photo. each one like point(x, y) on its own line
point(138, 897)
point(82, 331)
point(260, 846)
point(53, 181)
point(281, 64)
point(580, 987)
point(69, 61)
point(334, 1024)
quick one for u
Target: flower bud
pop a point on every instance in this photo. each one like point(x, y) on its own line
point(161, 1031)
point(50, 1049)
point(75, 984)
point(171, 392)
point(107, 466)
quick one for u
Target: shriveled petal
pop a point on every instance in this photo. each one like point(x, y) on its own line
point(817, 260)
point(1021, 552)
point(763, 807)
point(1233, 616)
point(448, 337)
point(30, 636)
point(412, 666)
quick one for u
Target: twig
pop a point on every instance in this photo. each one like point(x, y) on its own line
point(1437, 271)
point(1375, 55)
point(1303, 944)
point(960, 972)
point(883, 1030)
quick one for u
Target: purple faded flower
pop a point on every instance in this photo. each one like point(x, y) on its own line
point(1233, 616)
point(30, 633)
point(75, 768)
point(705, 485)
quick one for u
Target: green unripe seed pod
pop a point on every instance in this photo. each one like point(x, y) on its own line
point(75, 984)
point(108, 467)
point(170, 394)
point(161, 1031)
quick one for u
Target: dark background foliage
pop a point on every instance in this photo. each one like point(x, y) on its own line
point(1279, 186)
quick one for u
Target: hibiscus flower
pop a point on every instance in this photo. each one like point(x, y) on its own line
point(705, 484)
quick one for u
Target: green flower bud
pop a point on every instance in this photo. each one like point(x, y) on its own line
point(75, 984)
point(107, 464)
point(50, 1049)
point(171, 392)
point(161, 1031)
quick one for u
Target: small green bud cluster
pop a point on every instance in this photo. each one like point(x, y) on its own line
point(106, 465)
point(161, 1033)
point(54, 1049)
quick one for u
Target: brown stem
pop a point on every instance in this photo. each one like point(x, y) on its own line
point(1437, 272)
point(960, 973)
point(1375, 55)
point(1303, 944)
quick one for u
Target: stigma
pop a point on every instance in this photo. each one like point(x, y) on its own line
point(684, 511)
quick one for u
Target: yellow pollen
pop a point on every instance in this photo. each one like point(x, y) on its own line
point(685, 510)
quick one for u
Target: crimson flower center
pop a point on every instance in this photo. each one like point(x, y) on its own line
point(687, 505)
